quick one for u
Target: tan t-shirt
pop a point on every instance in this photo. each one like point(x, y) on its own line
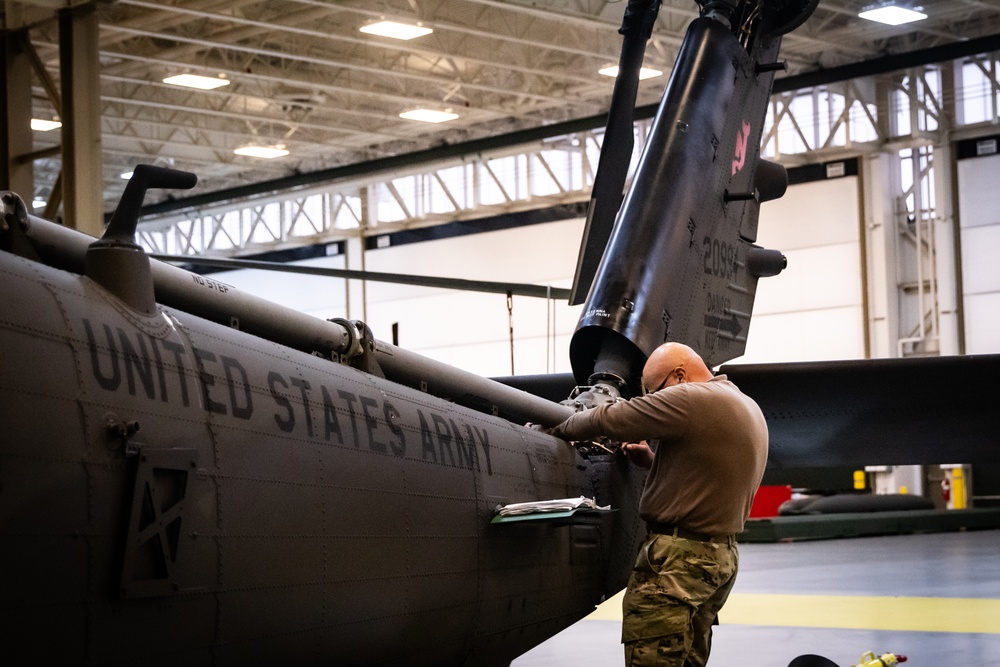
point(710, 441)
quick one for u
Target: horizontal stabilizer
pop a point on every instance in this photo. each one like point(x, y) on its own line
point(926, 410)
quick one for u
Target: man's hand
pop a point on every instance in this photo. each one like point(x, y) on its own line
point(639, 453)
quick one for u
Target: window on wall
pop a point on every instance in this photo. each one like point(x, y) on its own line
point(306, 215)
point(915, 104)
point(228, 228)
point(829, 113)
point(498, 179)
point(345, 210)
point(979, 92)
point(448, 190)
point(553, 171)
point(816, 119)
point(264, 221)
point(917, 165)
point(793, 136)
point(863, 120)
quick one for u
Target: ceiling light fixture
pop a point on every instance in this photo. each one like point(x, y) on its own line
point(892, 13)
point(428, 115)
point(125, 175)
point(196, 81)
point(644, 72)
point(396, 30)
point(267, 152)
point(40, 125)
point(38, 203)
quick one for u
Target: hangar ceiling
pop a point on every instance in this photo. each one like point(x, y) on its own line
point(302, 75)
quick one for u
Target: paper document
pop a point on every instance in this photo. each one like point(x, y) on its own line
point(560, 505)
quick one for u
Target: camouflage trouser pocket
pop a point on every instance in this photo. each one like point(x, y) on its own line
point(668, 651)
point(671, 581)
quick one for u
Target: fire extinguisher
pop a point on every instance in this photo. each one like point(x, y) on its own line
point(946, 489)
point(885, 660)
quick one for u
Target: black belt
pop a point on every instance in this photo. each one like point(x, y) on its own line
point(684, 533)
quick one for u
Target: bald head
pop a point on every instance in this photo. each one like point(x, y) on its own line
point(673, 363)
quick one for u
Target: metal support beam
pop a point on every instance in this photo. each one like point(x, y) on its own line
point(886, 64)
point(16, 172)
point(82, 171)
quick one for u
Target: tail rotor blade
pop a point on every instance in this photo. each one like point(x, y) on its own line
point(616, 152)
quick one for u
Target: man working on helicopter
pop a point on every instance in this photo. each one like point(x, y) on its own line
point(709, 447)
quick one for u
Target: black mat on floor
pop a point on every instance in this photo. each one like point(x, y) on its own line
point(857, 524)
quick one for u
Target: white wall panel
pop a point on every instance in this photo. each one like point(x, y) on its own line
point(816, 335)
point(982, 323)
point(533, 254)
point(471, 330)
point(449, 317)
point(317, 295)
point(880, 246)
point(817, 277)
point(980, 249)
point(947, 290)
point(979, 211)
point(979, 196)
point(818, 213)
point(813, 310)
point(493, 359)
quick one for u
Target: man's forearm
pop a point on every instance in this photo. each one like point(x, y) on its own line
point(625, 421)
point(577, 427)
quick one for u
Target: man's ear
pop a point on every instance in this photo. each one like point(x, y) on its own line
point(681, 375)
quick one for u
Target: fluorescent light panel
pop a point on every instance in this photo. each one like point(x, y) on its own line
point(428, 115)
point(267, 152)
point(125, 175)
point(892, 14)
point(644, 72)
point(38, 203)
point(196, 81)
point(40, 125)
point(396, 30)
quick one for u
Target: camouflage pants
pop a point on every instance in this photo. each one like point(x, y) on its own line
point(674, 595)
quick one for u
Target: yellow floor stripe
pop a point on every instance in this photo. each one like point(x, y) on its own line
point(918, 614)
point(609, 610)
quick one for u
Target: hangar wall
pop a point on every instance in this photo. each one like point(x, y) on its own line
point(889, 252)
point(979, 206)
point(893, 258)
point(471, 330)
point(812, 311)
point(316, 295)
point(840, 297)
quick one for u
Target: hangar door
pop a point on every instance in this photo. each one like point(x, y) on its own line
point(979, 229)
point(814, 309)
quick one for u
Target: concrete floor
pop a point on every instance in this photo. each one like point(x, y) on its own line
point(934, 598)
